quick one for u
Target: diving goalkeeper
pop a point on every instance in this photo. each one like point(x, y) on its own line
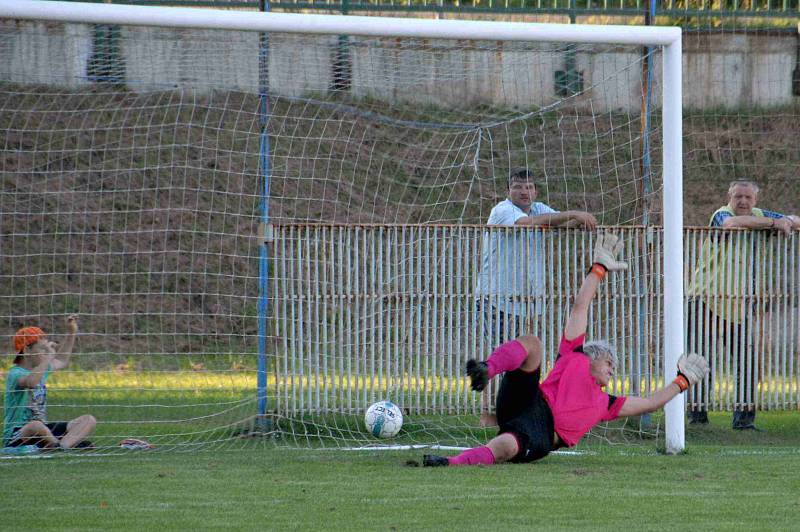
point(534, 418)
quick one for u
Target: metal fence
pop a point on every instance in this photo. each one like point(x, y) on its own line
point(741, 313)
point(367, 312)
point(675, 9)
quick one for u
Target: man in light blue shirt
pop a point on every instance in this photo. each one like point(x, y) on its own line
point(512, 261)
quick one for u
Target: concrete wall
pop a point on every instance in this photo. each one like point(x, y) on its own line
point(720, 70)
point(51, 54)
point(738, 70)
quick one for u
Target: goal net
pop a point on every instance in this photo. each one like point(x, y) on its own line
point(266, 232)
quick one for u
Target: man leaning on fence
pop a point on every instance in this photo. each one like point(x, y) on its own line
point(720, 307)
point(512, 263)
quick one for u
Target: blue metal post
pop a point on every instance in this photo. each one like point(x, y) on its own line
point(649, 20)
point(264, 171)
point(647, 186)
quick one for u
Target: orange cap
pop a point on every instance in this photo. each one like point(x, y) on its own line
point(27, 336)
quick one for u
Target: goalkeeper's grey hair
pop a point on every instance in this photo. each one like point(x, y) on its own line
point(600, 349)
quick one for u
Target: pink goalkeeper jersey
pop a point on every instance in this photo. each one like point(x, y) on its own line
point(578, 403)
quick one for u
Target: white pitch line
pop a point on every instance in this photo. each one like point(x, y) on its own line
point(434, 447)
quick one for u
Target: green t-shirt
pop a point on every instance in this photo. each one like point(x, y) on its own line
point(23, 404)
point(726, 277)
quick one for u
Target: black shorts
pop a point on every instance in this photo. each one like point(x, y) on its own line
point(57, 428)
point(523, 412)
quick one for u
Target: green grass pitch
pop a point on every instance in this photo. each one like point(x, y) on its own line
point(726, 481)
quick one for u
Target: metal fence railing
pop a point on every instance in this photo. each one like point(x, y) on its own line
point(741, 313)
point(363, 311)
point(672, 9)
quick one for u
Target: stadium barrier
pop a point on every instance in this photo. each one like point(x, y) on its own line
point(757, 69)
point(362, 312)
point(671, 9)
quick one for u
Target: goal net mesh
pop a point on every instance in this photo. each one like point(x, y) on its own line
point(134, 165)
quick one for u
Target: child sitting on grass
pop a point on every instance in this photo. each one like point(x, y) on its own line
point(25, 419)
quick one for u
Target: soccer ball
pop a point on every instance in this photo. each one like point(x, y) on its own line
point(384, 419)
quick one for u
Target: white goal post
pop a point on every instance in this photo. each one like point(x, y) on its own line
point(669, 38)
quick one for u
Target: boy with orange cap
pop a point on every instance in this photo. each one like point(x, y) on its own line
point(25, 419)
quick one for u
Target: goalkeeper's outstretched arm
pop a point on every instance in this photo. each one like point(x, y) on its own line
point(635, 406)
point(606, 251)
point(691, 369)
